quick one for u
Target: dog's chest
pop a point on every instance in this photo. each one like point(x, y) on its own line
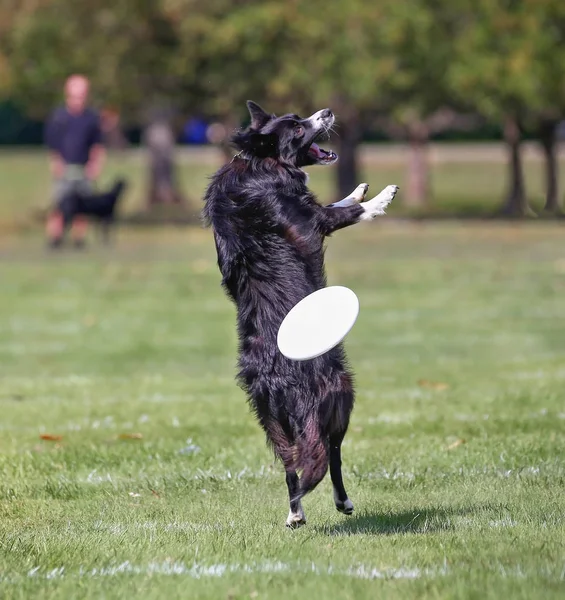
point(300, 231)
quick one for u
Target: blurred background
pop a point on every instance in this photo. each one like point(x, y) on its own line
point(460, 103)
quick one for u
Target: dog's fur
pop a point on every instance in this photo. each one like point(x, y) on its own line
point(99, 206)
point(269, 232)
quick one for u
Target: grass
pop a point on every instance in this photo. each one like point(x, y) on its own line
point(161, 485)
point(466, 179)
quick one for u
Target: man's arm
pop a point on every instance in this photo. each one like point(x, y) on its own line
point(56, 162)
point(97, 153)
point(95, 162)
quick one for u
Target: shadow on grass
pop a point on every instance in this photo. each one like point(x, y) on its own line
point(417, 521)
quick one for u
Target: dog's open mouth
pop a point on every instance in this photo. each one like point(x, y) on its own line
point(320, 155)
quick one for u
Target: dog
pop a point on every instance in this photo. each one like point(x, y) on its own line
point(269, 232)
point(100, 206)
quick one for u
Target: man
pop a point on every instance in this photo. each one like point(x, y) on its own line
point(74, 138)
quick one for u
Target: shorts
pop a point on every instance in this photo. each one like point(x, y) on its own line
point(74, 181)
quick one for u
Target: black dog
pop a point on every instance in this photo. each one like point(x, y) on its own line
point(269, 232)
point(100, 206)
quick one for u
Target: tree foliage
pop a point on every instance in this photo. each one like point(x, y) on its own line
point(507, 62)
point(410, 68)
point(125, 47)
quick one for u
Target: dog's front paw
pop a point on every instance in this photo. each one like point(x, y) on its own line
point(360, 192)
point(356, 197)
point(377, 205)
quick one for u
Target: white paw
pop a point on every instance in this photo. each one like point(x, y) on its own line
point(356, 196)
point(377, 205)
point(346, 507)
point(296, 519)
point(359, 192)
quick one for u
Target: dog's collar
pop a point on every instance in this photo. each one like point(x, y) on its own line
point(239, 155)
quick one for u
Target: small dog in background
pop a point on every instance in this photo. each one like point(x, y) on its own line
point(269, 232)
point(98, 206)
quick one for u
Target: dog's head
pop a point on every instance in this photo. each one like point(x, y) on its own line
point(120, 185)
point(289, 138)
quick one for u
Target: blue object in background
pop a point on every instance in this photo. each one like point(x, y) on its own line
point(194, 131)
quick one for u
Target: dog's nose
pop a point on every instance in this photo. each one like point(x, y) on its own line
point(327, 113)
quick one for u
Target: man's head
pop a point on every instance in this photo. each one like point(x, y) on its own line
point(76, 93)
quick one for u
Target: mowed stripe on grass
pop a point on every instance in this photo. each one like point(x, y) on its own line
point(153, 479)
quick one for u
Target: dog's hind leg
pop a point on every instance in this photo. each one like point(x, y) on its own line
point(280, 437)
point(296, 516)
point(340, 422)
point(342, 502)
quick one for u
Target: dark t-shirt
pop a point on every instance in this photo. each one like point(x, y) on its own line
point(72, 136)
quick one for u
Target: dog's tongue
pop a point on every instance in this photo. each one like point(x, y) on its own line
point(317, 151)
point(320, 153)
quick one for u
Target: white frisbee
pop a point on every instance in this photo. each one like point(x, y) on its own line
point(318, 323)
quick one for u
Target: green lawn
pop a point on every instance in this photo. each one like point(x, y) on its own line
point(161, 485)
point(466, 179)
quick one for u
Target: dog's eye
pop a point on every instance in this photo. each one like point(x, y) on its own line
point(298, 131)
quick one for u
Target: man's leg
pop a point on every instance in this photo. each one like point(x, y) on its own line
point(55, 228)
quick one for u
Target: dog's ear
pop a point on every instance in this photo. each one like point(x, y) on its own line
point(258, 144)
point(258, 116)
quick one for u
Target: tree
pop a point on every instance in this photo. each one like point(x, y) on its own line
point(413, 69)
point(234, 51)
point(550, 57)
point(343, 65)
point(11, 12)
point(387, 65)
point(494, 71)
point(125, 48)
point(149, 58)
point(418, 38)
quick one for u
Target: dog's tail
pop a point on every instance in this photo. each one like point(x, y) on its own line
point(311, 458)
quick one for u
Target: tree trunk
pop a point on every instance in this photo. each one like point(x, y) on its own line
point(163, 186)
point(418, 176)
point(516, 203)
point(548, 142)
point(348, 163)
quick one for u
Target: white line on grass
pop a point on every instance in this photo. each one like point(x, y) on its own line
point(199, 571)
point(554, 468)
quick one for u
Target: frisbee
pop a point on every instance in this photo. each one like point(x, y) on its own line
point(318, 323)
